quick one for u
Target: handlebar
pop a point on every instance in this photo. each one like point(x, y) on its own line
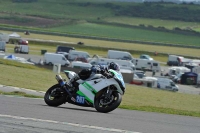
point(108, 75)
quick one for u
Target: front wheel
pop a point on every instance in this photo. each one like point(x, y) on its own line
point(105, 105)
point(54, 96)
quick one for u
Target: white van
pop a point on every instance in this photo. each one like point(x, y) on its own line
point(21, 49)
point(124, 64)
point(173, 60)
point(79, 64)
point(123, 55)
point(74, 54)
point(151, 65)
point(168, 84)
point(4, 37)
point(2, 46)
point(24, 49)
point(52, 58)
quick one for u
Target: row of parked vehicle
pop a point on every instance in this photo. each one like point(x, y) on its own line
point(81, 59)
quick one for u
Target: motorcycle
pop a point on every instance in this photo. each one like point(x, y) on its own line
point(103, 92)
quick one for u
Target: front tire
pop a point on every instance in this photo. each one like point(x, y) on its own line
point(50, 97)
point(111, 106)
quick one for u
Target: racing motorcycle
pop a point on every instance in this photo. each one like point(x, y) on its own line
point(103, 92)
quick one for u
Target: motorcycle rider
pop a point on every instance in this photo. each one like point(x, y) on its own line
point(87, 73)
point(96, 69)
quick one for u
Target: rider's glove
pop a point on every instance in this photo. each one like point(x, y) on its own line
point(108, 75)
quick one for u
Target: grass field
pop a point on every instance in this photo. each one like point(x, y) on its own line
point(120, 45)
point(135, 98)
point(168, 24)
point(55, 9)
point(135, 34)
point(92, 29)
point(72, 17)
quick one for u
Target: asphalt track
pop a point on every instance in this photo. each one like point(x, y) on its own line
point(34, 116)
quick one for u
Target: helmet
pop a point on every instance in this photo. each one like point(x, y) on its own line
point(84, 74)
point(114, 66)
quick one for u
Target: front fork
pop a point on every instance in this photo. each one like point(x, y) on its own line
point(108, 92)
point(63, 84)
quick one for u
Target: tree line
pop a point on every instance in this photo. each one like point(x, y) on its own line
point(161, 11)
point(157, 10)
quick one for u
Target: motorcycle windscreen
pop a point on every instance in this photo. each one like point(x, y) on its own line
point(119, 76)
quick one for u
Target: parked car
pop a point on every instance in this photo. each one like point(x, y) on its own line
point(140, 74)
point(146, 57)
point(23, 42)
point(64, 49)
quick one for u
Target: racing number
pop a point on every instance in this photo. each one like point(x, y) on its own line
point(80, 99)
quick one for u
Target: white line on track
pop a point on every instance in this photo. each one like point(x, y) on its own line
point(70, 124)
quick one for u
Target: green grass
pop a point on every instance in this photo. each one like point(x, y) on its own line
point(153, 100)
point(168, 24)
point(14, 74)
point(135, 98)
point(55, 9)
point(134, 34)
point(108, 31)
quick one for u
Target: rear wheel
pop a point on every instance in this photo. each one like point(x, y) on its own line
point(54, 96)
point(104, 104)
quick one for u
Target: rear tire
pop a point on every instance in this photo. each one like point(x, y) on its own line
point(54, 101)
point(113, 105)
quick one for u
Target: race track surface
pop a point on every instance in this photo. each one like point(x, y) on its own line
point(33, 115)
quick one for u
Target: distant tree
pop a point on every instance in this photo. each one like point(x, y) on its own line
point(177, 28)
point(160, 10)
